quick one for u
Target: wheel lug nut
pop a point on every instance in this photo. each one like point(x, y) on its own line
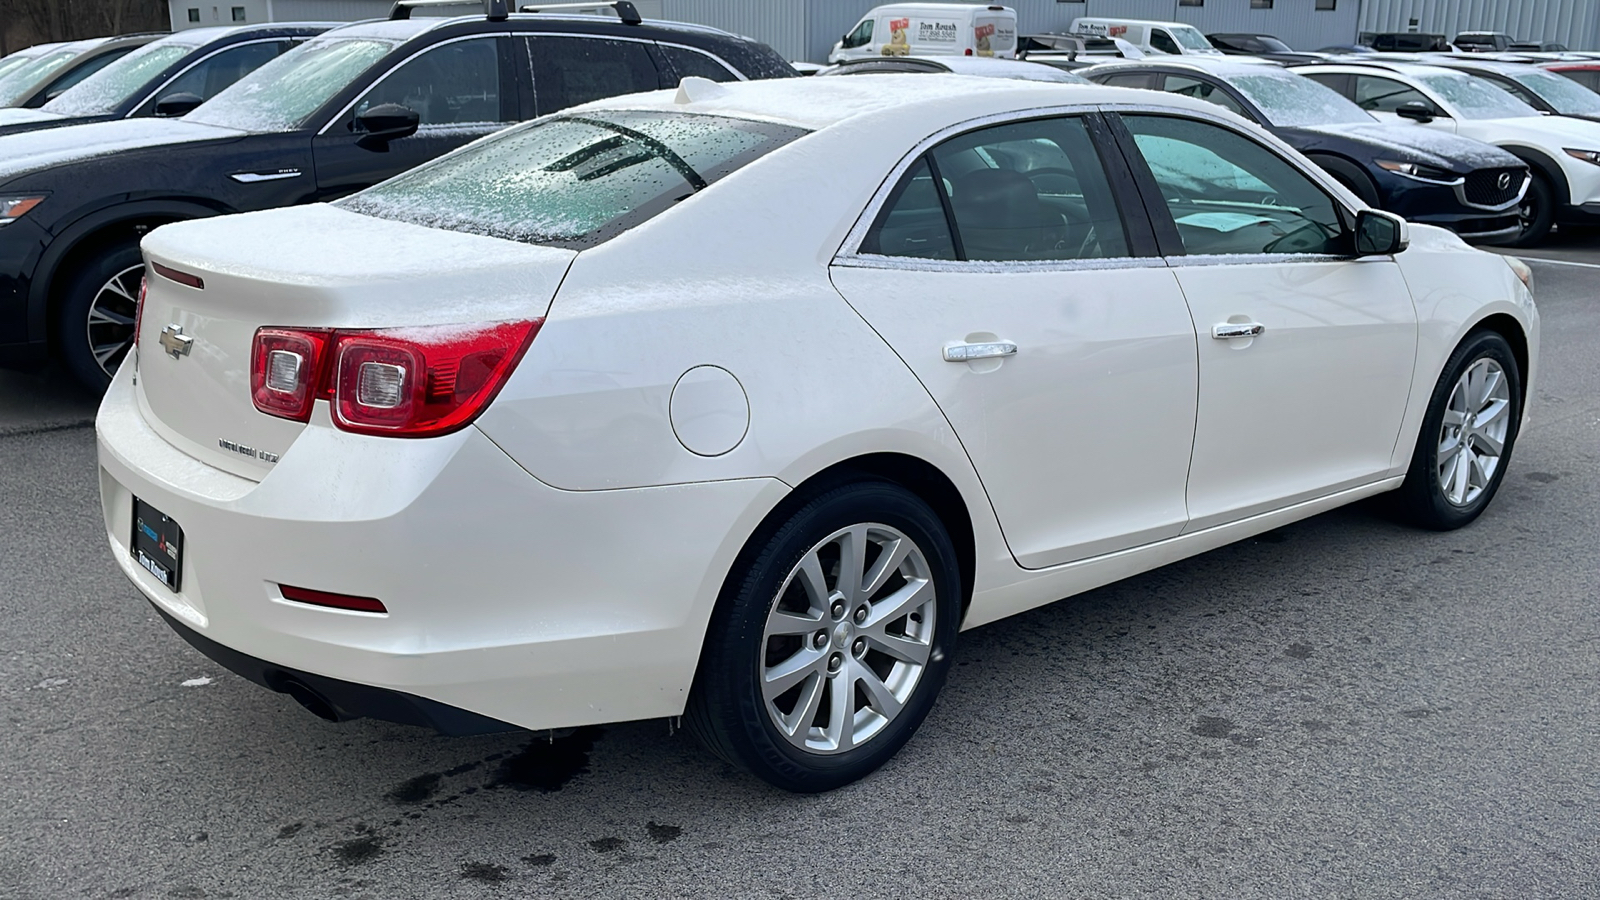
point(838, 610)
point(861, 615)
point(835, 661)
point(859, 647)
point(819, 640)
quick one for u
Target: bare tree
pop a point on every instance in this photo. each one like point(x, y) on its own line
point(24, 22)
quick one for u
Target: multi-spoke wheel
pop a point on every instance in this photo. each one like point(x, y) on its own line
point(831, 639)
point(94, 323)
point(1467, 435)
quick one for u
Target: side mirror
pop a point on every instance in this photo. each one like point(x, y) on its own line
point(179, 104)
point(384, 123)
point(1380, 233)
point(1416, 111)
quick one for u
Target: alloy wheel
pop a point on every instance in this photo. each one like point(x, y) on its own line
point(847, 638)
point(109, 327)
point(1473, 435)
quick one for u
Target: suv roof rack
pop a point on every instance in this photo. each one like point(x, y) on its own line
point(493, 10)
point(625, 10)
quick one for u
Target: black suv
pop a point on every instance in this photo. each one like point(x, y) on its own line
point(337, 114)
point(168, 77)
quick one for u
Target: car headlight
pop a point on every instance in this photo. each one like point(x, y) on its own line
point(1418, 171)
point(1524, 273)
point(1592, 157)
point(14, 208)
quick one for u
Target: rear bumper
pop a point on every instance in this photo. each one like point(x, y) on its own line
point(339, 700)
point(506, 598)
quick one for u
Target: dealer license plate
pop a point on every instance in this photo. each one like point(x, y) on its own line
point(157, 543)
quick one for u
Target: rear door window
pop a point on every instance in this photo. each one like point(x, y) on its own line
point(568, 71)
point(574, 181)
point(1021, 192)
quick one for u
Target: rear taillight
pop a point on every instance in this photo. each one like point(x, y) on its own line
point(405, 382)
point(286, 366)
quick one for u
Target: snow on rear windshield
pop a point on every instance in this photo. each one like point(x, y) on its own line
point(109, 88)
point(1293, 100)
point(1475, 98)
point(573, 181)
point(1566, 95)
point(282, 94)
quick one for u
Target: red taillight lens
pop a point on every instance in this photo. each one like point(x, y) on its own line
point(286, 368)
point(404, 382)
point(138, 309)
point(336, 601)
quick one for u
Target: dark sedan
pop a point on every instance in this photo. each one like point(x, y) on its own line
point(168, 77)
point(337, 114)
point(1430, 177)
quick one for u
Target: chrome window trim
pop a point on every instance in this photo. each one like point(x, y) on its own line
point(201, 61)
point(339, 116)
point(1256, 259)
point(1008, 267)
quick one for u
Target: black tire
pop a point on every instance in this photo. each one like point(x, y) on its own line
point(727, 711)
point(1360, 185)
point(1536, 213)
point(72, 325)
point(1421, 499)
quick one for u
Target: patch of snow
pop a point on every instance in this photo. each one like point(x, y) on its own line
point(15, 115)
point(202, 681)
point(1452, 151)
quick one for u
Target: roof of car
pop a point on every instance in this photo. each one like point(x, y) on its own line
point(1224, 66)
point(1408, 69)
point(817, 103)
point(405, 29)
point(1487, 65)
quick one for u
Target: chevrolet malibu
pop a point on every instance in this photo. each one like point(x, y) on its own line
point(739, 402)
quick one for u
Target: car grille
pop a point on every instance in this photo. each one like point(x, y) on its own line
point(1483, 186)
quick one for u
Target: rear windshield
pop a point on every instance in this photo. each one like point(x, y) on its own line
point(573, 181)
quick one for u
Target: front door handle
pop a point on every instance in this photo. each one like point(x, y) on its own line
point(985, 350)
point(1237, 330)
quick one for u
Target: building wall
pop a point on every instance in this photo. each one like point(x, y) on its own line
point(1575, 23)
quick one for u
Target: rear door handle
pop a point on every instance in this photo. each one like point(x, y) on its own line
point(985, 350)
point(1237, 330)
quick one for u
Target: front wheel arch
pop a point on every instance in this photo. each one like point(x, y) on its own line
point(1549, 168)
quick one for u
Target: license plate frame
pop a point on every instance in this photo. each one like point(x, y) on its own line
point(157, 544)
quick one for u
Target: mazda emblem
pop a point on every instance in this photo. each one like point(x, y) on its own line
point(175, 342)
point(1505, 181)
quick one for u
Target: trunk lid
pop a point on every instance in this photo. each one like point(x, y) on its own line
point(304, 267)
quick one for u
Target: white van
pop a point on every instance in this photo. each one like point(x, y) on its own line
point(1159, 37)
point(931, 29)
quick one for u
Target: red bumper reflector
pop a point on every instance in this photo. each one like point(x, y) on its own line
point(336, 601)
point(172, 274)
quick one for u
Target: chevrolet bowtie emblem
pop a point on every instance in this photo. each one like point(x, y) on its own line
point(175, 342)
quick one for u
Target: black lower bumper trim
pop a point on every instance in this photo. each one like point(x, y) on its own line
point(346, 699)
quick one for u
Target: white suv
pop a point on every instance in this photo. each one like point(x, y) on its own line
point(739, 402)
point(1563, 153)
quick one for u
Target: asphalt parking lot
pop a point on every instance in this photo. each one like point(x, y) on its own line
point(1340, 708)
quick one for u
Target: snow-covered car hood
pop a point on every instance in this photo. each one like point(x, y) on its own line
point(14, 115)
point(35, 150)
point(1436, 148)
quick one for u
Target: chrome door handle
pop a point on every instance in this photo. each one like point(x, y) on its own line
point(1237, 330)
point(986, 350)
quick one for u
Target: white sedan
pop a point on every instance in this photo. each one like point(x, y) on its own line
point(739, 402)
